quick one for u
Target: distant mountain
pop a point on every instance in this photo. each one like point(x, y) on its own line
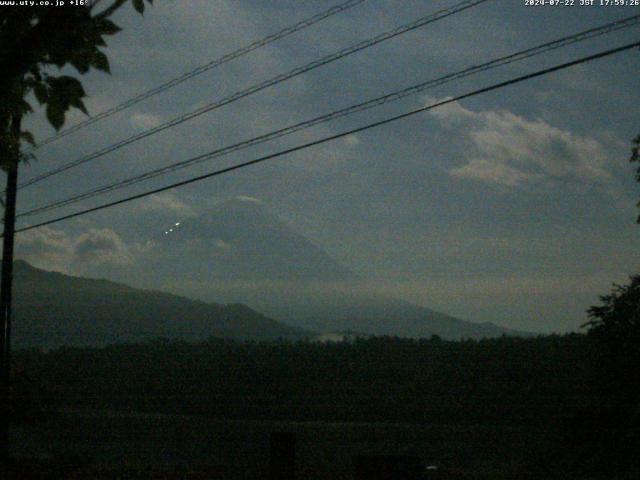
point(378, 314)
point(241, 252)
point(242, 241)
point(52, 309)
point(369, 313)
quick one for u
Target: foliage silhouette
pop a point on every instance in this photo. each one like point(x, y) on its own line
point(602, 440)
point(635, 157)
point(35, 39)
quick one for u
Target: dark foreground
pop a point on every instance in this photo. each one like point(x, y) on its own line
point(102, 444)
point(495, 409)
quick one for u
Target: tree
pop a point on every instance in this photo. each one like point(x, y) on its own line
point(615, 327)
point(620, 312)
point(33, 41)
point(635, 157)
point(614, 420)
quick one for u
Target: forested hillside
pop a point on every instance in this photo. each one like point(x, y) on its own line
point(507, 380)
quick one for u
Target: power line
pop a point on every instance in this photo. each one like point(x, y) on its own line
point(222, 171)
point(505, 60)
point(260, 86)
point(204, 68)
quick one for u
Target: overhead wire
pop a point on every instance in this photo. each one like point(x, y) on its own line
point(439, 15)
point(301, 25)
point(387, 98)
point(326, 139)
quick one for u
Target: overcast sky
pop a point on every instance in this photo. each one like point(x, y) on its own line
point(515, 207)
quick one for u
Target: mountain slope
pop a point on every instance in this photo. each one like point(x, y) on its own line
point(242, 241)
point(358, 310)
point(241, 252)
point(385, 315)
point(52, 309)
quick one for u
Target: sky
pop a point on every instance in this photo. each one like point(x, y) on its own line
point(515, 207)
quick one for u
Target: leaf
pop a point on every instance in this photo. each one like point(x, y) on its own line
point(41, 93)
point(69, 86)
point(64, 92)
point(81, 61)
point(25, 108)
point(115, 6)
point(28, 137)
point(27, 158)
point(104, 26)
point(79, 104)
point(55, 114)
point(100, 61)
point(66, 87)
point(139, 6)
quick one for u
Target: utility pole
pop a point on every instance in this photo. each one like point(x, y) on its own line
point(6, 284)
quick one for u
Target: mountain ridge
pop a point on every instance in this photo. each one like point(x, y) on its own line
point(268, 265)
point(254, 277)
point(53, 309)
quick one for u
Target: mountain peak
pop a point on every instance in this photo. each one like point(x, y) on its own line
point(242, 202)
point(240, 239)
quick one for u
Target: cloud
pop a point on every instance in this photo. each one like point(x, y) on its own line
point(98, 247)
point(167, 203)
point(245, 198)
point(221, 244)
point(46, 248)
point(352, 140)
point(494, 172)
point(56, 250)
point(513, 151)
point(144, 121)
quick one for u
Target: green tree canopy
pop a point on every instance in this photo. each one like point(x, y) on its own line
point(34, 40)
point(35, 43)
point(620, 310)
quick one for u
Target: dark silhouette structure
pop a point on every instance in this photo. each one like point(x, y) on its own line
point(388, 467)
point(32, 40)
point(282, 456)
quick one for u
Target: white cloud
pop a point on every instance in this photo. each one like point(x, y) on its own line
point(352, 140)
point(492, 171)
point(56, 250)
point(167, 203)
point(245, 198)
point(97, 247)
point(46, 248)
point(513, 151)
point(222, 244)
point(144, 121)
